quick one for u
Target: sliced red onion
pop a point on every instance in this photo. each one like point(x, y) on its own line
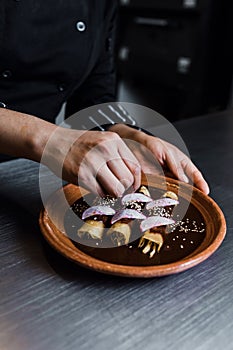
point(154, 221)
point(163, 202)
point(135, 197)
point(98, 210)
point(127, 214)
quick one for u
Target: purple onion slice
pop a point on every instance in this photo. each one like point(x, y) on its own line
point(135, 197)
point(98, 210)
point(155, 221)
point(163, 202)
point(127, 214)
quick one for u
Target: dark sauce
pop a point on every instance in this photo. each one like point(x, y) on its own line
point(183, 238)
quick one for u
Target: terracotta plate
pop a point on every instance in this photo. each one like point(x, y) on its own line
point(54, 232)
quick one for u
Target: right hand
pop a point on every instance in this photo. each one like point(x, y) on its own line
point(99, 161)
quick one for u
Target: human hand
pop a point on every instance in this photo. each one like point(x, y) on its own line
point(98, 160)
point(153, 153)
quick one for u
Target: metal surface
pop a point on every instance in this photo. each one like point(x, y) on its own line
point(46, 303)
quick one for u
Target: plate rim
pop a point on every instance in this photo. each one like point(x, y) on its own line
point(83, 259)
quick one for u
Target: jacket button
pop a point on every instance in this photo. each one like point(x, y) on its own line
point(81, 26)
point(6, 74)
point(2, 105)
point(109, 44)
point(61, 87)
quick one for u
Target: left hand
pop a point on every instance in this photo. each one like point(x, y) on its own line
point(150, 150)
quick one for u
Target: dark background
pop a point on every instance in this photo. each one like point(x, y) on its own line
point(175, 56)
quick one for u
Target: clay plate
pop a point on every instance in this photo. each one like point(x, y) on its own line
point(54, 233)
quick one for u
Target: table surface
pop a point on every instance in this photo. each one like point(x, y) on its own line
point(46, 303)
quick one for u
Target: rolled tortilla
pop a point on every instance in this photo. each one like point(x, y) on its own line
point(91, 229)
point(173, 196)
point(120, 231)
point(152, 240)
point(95, 219)
point(155, 226)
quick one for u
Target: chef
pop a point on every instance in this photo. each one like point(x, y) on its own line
point(62, 51)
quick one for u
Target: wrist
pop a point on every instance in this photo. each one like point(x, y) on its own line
point(36, 136)
point(23, 135)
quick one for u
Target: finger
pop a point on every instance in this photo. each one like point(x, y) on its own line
point(131, 162)
point(181, 165)
point(109, 182)
point(148, 166)
point(121, 172)
point(109, 169)
point(163, 153)
point(89, 181)
point(196, 176)
point(173, 162)
point(200, 182)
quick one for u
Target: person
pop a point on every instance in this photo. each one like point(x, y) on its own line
point(63, 51)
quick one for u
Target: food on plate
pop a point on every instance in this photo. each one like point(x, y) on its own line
point(120, 231)
point(95, 219)
point(160, 211)
point(170, 194)
point(152, 239)
point(162, 202)
point(136, 197)
point(151, 232)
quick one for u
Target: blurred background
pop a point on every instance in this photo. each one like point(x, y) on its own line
point(176, 56)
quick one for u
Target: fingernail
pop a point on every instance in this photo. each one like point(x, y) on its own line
point(126, 184)
point(119, 190)
point(185, 179)
point(137, 170)
point(207, 190)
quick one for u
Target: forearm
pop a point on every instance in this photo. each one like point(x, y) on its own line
point(23, 135)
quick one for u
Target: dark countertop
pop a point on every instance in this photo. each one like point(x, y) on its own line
point(47, 303)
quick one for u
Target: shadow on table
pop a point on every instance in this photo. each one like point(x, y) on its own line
point(70, 271)
point(20, 234)
point(66, 268)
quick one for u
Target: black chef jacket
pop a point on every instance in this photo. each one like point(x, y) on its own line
point(56, 51)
